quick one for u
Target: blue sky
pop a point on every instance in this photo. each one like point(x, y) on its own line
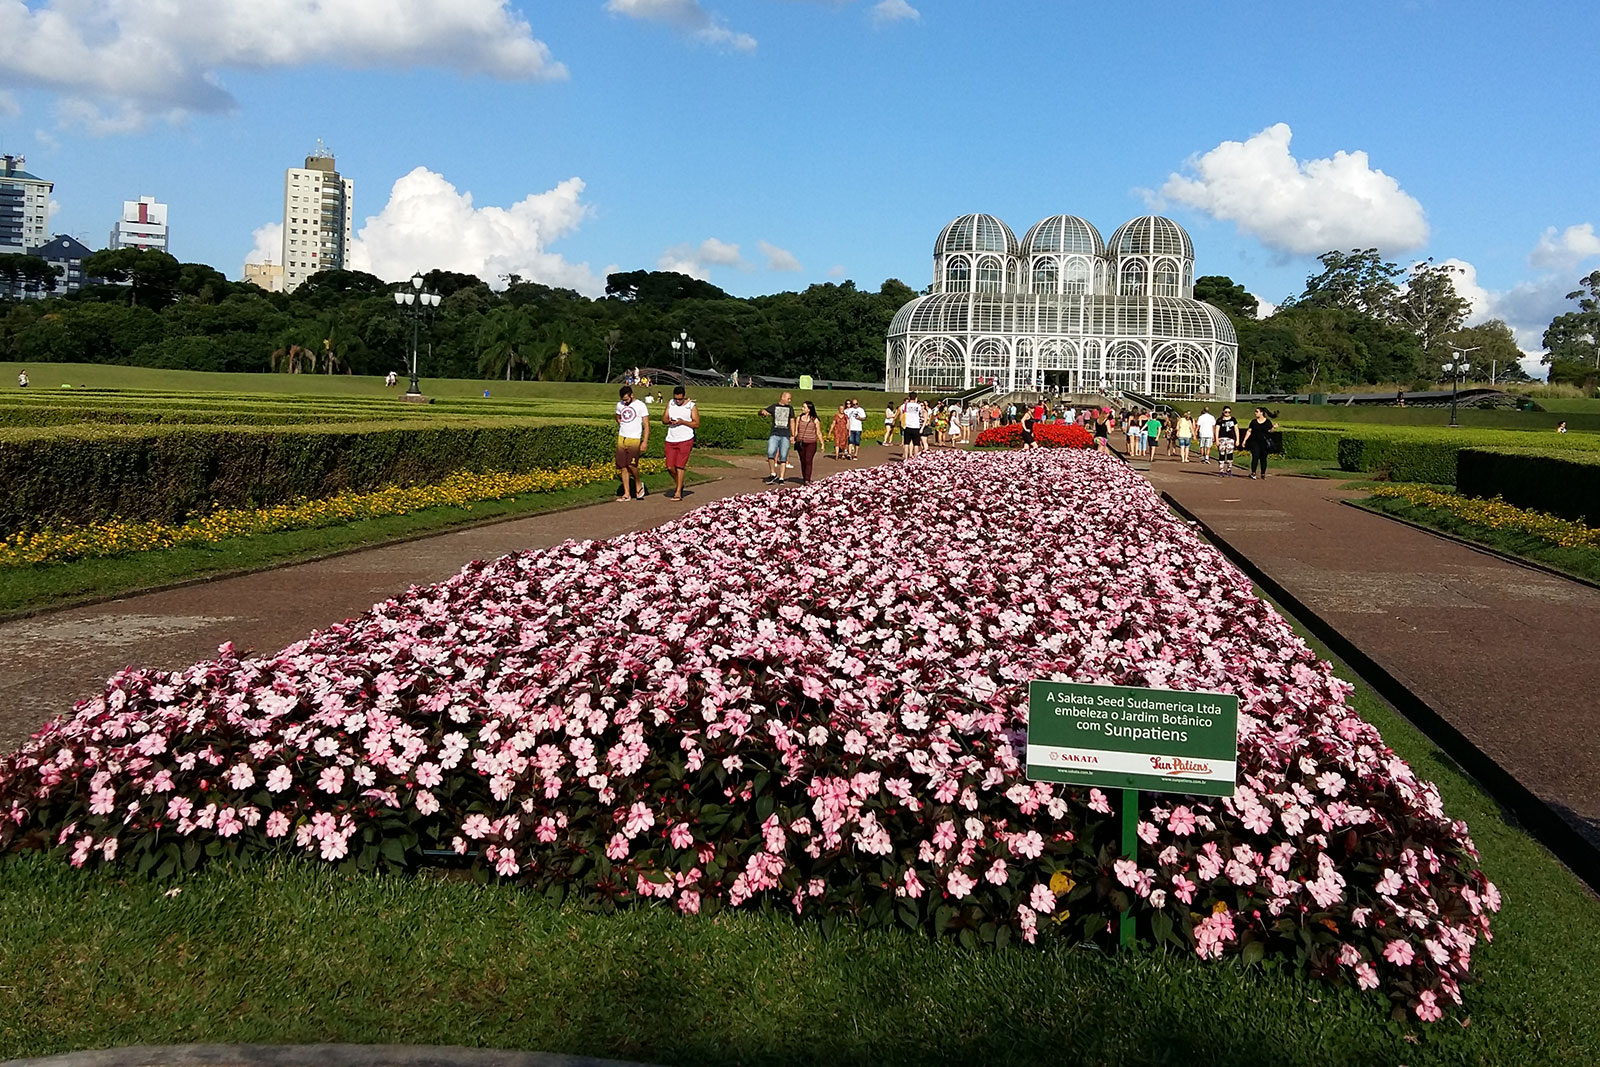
point(829, 138)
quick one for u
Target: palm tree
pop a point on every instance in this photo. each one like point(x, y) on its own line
point(502, 342)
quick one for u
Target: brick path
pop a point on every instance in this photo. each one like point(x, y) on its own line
point(1506, 654)
point(49, 662)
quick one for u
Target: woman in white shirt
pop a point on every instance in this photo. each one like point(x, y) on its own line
point(682, 418)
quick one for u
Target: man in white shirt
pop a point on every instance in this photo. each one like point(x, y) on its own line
point(911, 427)
point(858, 421)
point(633, 437)
point(682, 418)
point(1206, 429)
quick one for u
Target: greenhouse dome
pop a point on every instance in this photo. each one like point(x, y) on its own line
point(1063, 310)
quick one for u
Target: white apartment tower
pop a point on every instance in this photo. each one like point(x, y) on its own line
point(24, 207)
point(317, 214)
point(143, 225)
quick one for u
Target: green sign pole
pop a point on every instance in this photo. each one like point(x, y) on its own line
point(1130, 849)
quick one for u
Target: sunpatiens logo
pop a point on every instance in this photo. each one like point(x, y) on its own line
point(1177, 765)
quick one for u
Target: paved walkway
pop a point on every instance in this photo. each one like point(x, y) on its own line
point(1506, 654)
point(49, 662)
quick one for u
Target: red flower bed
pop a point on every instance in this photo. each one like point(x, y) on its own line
point(1047, 434)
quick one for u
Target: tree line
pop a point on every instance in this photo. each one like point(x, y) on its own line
point(1360, 319)
point(157, 312)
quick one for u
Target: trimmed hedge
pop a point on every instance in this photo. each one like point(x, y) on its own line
point(1301, 443)
point(1565, 484)
point(1401, 459)
point(96, 474)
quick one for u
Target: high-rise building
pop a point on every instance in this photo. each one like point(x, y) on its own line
point(143, 225)
point(318, 208)
point(24, 206)
point(66, 254)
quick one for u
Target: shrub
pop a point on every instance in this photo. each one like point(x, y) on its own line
point(1400, 459)
point(1310, 444)
point(1046, 434)
point(1564, 484)
point(142, 473)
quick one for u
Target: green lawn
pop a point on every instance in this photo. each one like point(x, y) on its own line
point(285, 952)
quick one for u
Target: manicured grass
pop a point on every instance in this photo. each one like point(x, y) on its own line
point(287, 952)
point(1583, 562)
point(60, 584)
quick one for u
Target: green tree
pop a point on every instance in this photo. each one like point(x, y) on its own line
point(1496, 354)
point(1572, 341)
point(1429, 305)
point(505, 338)
point(1223, 292)
point(1359, 280)
point(152, 275)
point(25, 275)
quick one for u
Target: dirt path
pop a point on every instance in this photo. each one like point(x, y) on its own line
point(49, 662)
point(1505, 653)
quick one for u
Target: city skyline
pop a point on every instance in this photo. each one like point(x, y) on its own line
point(771, 145)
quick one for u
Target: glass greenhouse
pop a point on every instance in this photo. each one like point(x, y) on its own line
point(1063, 309)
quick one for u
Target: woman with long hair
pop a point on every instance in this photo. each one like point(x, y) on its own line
point(839, 432)
point(807, 435)
point(1258, 442)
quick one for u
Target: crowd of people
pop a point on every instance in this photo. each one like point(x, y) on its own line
point(1189, 438)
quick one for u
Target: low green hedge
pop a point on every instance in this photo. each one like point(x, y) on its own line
point(1428, 454)
point(1565, 483)
point(1300, 443)
point(92, 474)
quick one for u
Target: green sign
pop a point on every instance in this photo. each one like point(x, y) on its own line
point(1121, 738)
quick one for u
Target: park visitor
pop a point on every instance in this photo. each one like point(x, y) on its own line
point(682, 419)
point(22, 381)
point(807, 436)
point(1257, 441)
point(888, 423)
point(1185, 432)
point(1028, 423)
point(1102, 430)
point(1205, 427)
point(781, 414)
point(839, 433)
point(633, 437)
point(1152, 433)
point(1227, 442)
point(858, 422)
point(911, 427)
point(1561, 427)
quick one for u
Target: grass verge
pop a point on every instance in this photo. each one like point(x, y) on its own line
point(1580, 562)
point(26, 589)
point(288, 952)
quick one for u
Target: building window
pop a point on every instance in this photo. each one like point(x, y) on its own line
point(991, 276)
point(1076, 276)
point(958, 274)
point(1165, 279)
point(1133, 278)
point(1044, 276)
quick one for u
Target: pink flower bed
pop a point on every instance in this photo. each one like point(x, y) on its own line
point(736, 709)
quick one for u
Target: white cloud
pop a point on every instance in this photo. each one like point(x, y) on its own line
point(885, 12)
point(687, 16)
point(9, 107)
point(1566, 249)
point(117, 65)
point(1264, 307)
point(1305, 207)
point(53, 209)
point(836, 271)
point(428, 224)
point(268, 244)
point(1527, 307)
point(697, 260)
point(778, 258)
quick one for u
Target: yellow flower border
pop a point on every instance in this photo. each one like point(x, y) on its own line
point(1496, 514)
point(121, 537)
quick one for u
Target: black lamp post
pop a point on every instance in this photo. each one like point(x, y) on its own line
point(683, 348)
point(414, 303)
point(1457, 366)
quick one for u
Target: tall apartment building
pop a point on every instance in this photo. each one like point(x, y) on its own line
point(318, 209)
point(24, 207)
point(268, 276)
point(143, 225)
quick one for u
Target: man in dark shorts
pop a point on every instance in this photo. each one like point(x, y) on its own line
point(778, 435)
point(911, 419)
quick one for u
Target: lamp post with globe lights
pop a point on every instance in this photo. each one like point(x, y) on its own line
point(683, 348)
point(415, 303)
point(1456, 368)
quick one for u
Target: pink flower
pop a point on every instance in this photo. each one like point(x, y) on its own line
point(1367, 976)
point(996, 874)
point(278, 779)
point(1042, 900)
point(331, 780)
point(680, 836)
point(1029, 845)
point(1127, 872)
point(1428, 1009)
point(475, 827)
point(959, 884)
point(1400, 953)
point(1181, 821)
point(277, 824)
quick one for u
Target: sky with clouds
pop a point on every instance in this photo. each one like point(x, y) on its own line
point(769, 144)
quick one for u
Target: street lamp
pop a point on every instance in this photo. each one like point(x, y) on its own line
point(414, 303)
point(683, 348)
point(1457, 367)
